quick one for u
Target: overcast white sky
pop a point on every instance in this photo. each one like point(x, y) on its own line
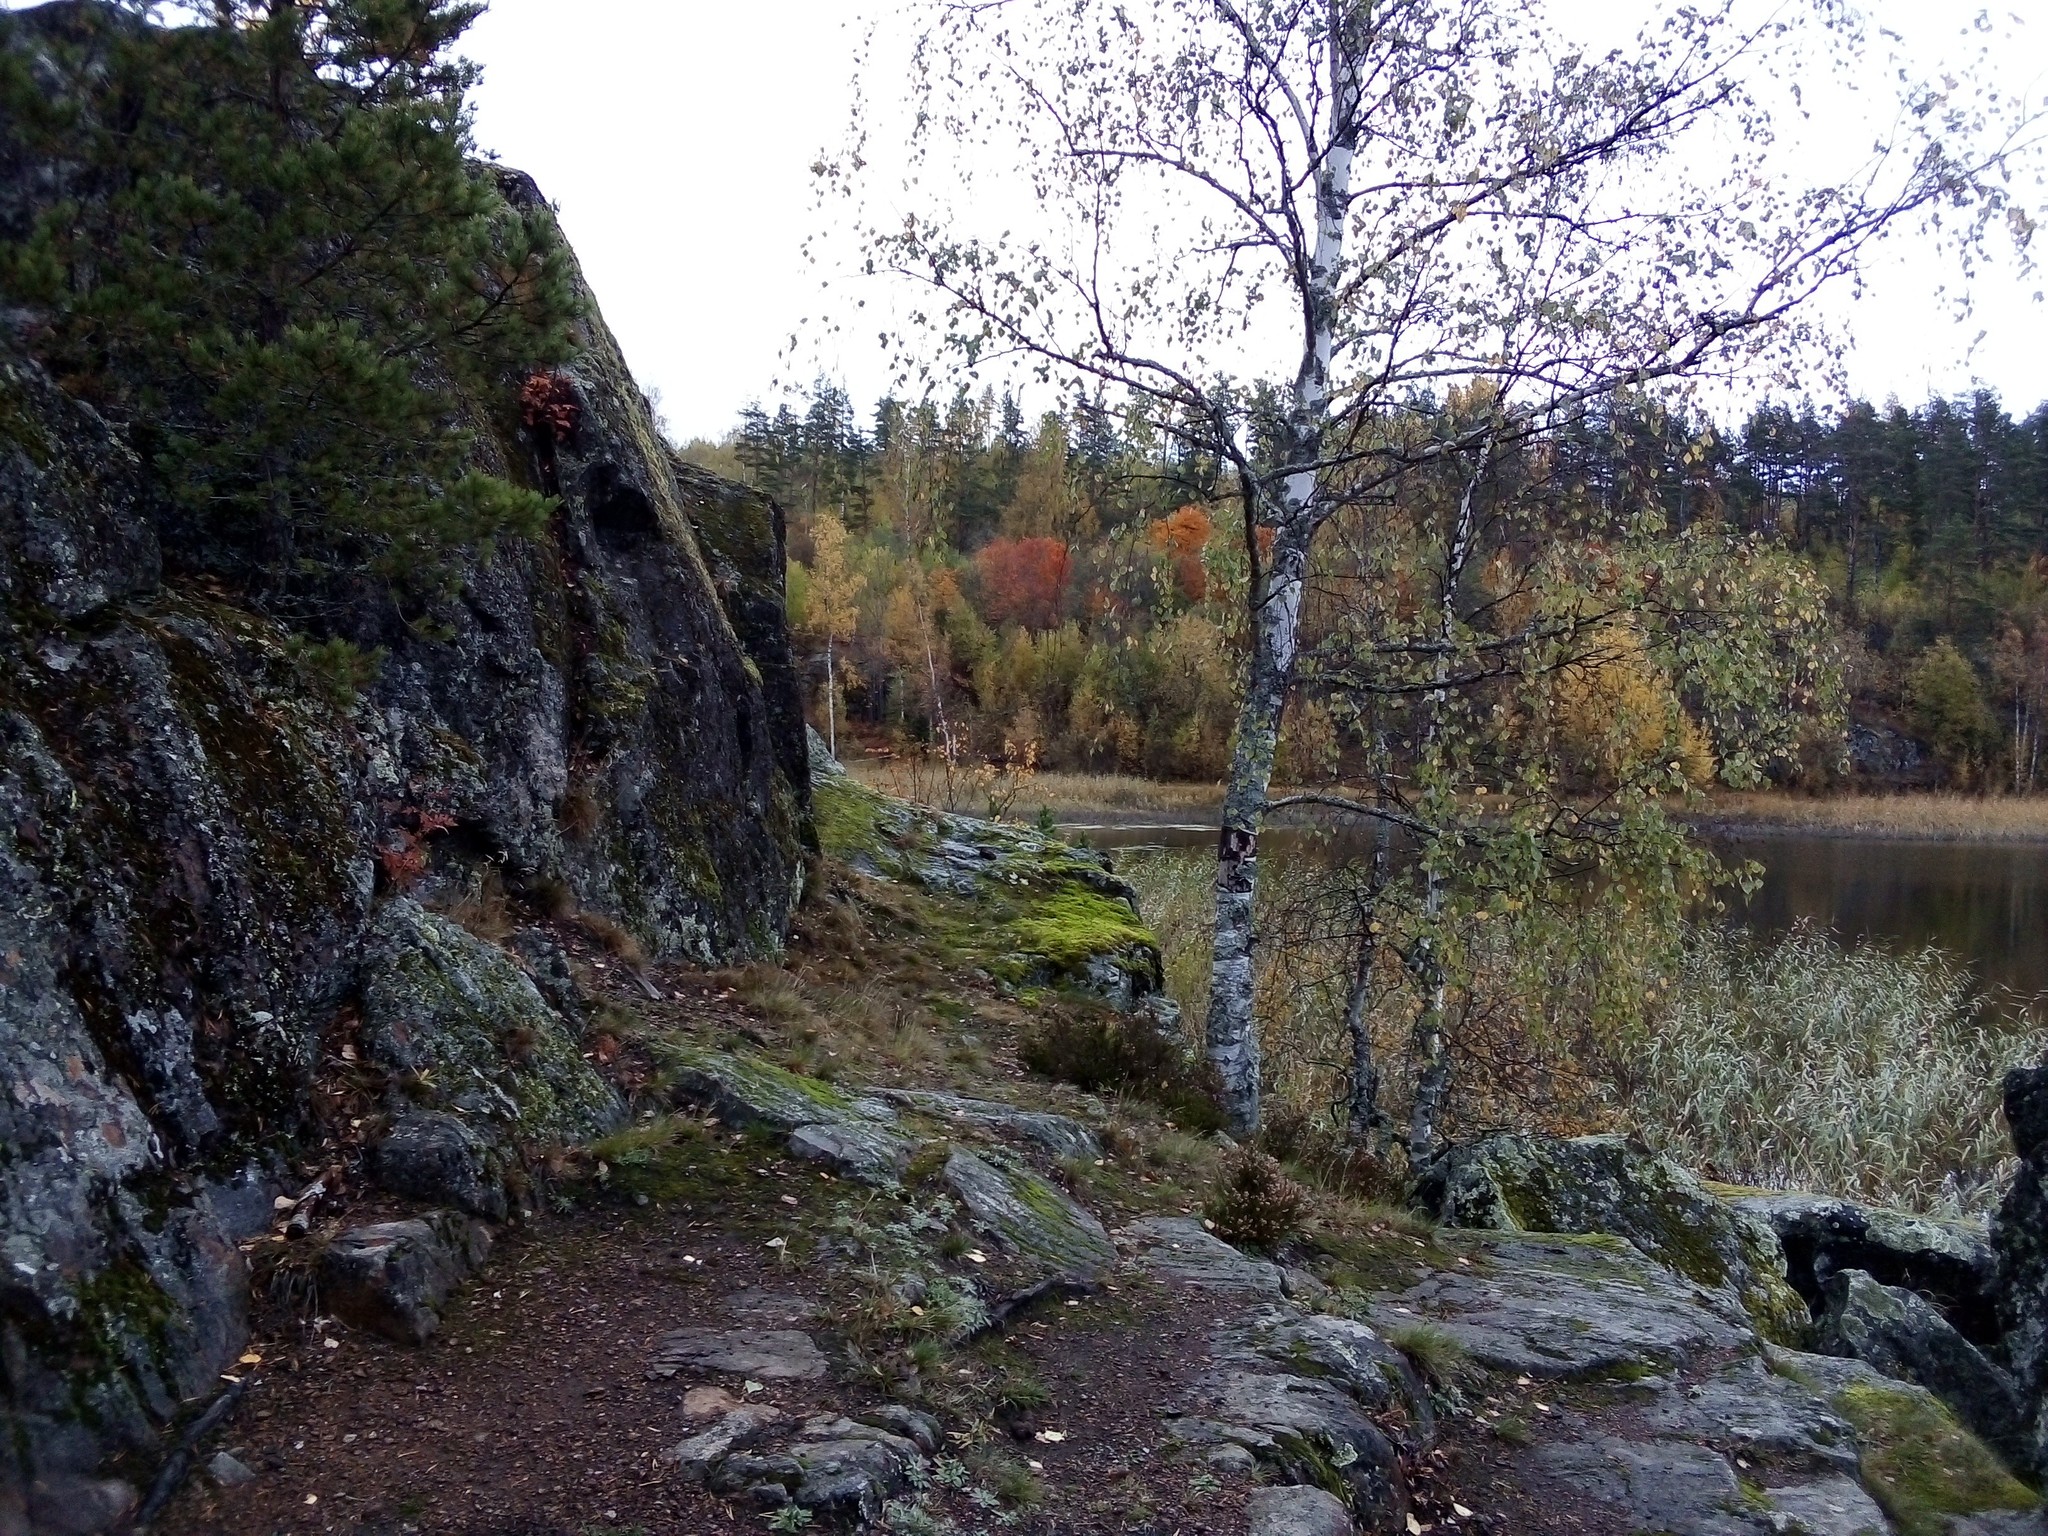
point(677, 137)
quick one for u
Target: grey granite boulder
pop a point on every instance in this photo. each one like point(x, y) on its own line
point(392, 1278)
point(1900, 1334)
point(1028, 1218)
point(1948, 1262)
point(1604, 1184)
point(1296, 1511)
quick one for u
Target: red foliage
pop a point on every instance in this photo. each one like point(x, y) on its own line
point(1181, 537)
point(1023, 581)
point(547, 406)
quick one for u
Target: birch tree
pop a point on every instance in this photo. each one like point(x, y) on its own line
point(1286, 227)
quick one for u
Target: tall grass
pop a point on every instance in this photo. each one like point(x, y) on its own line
point(1801, 1064)
point(1791, 1063)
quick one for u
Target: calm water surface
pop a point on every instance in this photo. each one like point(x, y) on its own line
point(1986, 903)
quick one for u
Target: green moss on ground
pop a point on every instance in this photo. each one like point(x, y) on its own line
point(1920, 1464)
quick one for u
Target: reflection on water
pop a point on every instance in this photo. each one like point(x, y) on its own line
point(1986, 903)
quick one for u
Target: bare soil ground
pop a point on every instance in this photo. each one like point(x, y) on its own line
point(533, 1413)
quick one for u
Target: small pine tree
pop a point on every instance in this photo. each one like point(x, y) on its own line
point(266, 247)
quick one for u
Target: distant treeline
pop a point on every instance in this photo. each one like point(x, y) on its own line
point(1080, 546)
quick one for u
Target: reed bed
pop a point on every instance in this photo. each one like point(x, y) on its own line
point(1788, 1063)
point(1801, 1064)
point(1928, 815)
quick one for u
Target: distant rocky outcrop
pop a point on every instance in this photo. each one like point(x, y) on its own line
point(217, 865)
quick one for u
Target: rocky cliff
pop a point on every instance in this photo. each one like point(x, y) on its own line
point(226, 874)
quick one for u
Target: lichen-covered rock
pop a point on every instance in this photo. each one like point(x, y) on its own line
point(2019, 1237)
point(463, 1029)
point(1602, 1184)
point(1902, 1335)
point(1948, 1262)
point(1023, 1215)
point(392, 1278)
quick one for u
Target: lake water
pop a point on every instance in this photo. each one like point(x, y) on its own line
point(1986, 903)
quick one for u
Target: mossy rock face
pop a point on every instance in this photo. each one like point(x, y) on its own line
point(1602, 1184)
point(1040, 913)
point(472, 1035)
point(1918, 1462)
point(194, 828)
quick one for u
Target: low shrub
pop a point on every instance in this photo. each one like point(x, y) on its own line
point(1253, 1203)
point(1116, 1053)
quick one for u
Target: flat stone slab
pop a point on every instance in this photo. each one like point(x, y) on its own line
point(747, 1091)
point(1746, 1409)
point(1560, 1307)
point(1060, 1135)
point(1180, 1249)
point(1296, 1511)
point(1024, 1215)
point(768, 1354)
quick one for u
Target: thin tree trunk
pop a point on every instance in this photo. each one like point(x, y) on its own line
point(1855, 545)
point(831, 699)
point(1233, 1044)
point(1433, 1085)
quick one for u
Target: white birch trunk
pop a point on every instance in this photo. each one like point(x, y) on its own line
point(1233, 1044)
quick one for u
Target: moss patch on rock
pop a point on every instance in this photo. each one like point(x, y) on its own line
point(1920, 1464)
point(1071, 926)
